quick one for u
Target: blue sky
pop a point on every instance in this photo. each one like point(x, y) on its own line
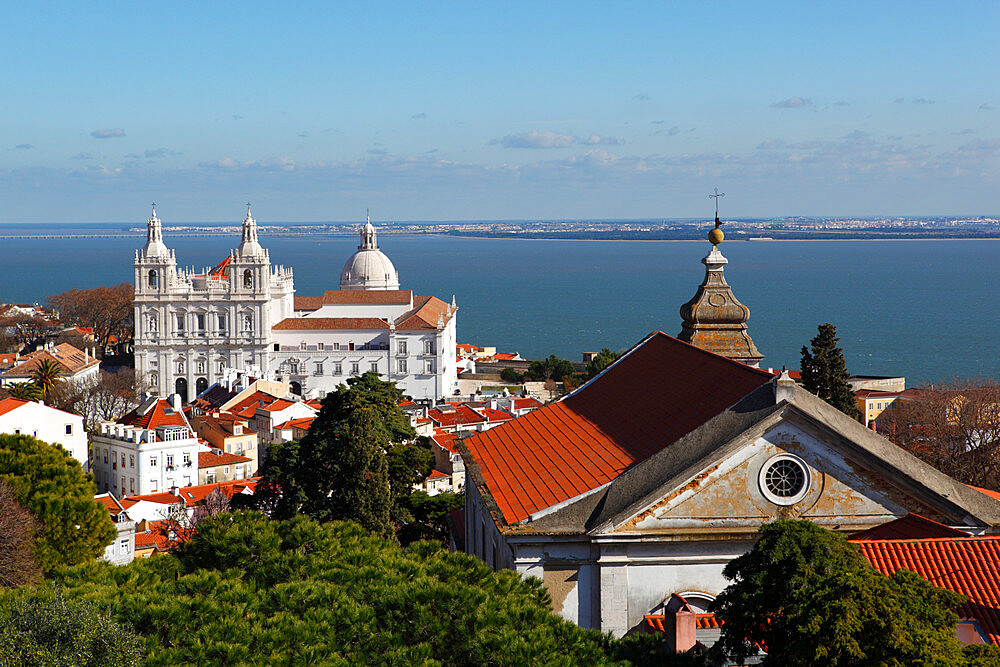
point(503, 110)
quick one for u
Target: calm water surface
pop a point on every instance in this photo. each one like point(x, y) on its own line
point(924, 309)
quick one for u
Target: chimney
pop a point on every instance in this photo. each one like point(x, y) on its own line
point(784, 388)
point(175, 402)
point(680, 624)
point(872, 426)
point(86, 355)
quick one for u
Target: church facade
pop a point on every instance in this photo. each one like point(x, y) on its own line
point(243, 314)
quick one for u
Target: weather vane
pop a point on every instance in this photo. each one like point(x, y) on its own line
point(716, 198)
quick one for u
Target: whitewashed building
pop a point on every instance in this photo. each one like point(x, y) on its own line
point(57, 427)
point(152, 449)
point(241, 314)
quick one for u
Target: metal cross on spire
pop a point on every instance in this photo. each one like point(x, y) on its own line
point(716, 198)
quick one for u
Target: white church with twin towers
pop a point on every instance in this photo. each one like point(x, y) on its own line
point(192, 329)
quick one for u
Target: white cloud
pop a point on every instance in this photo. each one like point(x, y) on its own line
point(597, 140)
point(793, 103)
point(109, 133)
point(536, 140)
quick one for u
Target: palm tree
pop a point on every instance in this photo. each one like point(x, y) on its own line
point(26, 391)
point(47, 374)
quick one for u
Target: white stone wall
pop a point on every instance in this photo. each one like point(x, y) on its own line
point(147, 465)
point(49, 425)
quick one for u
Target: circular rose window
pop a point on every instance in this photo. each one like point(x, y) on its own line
point(784, 479)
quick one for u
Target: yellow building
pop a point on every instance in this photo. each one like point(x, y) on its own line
point(228, 434)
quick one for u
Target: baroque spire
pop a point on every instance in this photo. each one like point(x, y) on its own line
point(714, 319)
point(154, 237)
point(249, 246)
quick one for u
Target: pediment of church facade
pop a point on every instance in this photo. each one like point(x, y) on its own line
point(790, 469)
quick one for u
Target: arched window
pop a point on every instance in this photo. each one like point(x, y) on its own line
point(248, 279)
point(152, 278)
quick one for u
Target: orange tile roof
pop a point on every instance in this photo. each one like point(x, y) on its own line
point(301, 422)
point(462, 414)
point(8, 404)
point(248, 406)
point(466, 347)
point(504, 356)
point(529, 402)
point(873, 393)
point(496, 415)
point(211, 459)
point(909, 527)
point(68, 357)
point(424, 314)
point(109, 501)
point(329, 323)
point(437, 474)
point(353, 296)
point(967, 565)
point(161, 497)
point(444, 438)
point(659, 391)
point(161, 414)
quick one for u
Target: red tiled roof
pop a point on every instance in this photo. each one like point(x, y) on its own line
point(8, 404)
point(395, 297)
point(872, 393)
point(302, 422)
point(462, 414)
point(445, 439)
point(329, 323)
point(967, 565)
point(69, 358)
point(504, 356)
point(161, 414)
point(437, 474)
point(909, 527)
point(278, 405)
point(659, 391)
point(424, 314)
point(466, 347)
point(211, 459)
point(106, 499)
point(162, 497)
point(496, 415)
point(528, 402)
point(248, 406)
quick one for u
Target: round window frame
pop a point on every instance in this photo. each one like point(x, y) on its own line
point(783, 500)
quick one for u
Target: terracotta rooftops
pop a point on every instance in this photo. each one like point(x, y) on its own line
point(660, 390)
point(445, 439)
point(210, 459)
point(154, 415)
point(302, 422)
point(425, 313)
point(909, 527)
point(394, 297)
point(437, 474)
point(68, 357)
point(8, 404)
point(966, 565)
point(461, 414)
point(329, 323)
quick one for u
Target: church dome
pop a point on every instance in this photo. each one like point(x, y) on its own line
point(369, 268)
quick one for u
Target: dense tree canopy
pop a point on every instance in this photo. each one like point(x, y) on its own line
point(72, 526)
point(824, 371)
point(246, 589)
point(811, 598)
point(601, 360)
point(46, 630)
point(17, 541)
point(339, 470)
point(552, 368)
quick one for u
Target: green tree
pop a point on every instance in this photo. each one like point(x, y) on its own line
point(339, 470)
point(26, 391)
point(552, 368)
point(511, 375)
point(47, 374)
point(249, 590)
point(50, 483)
point(824, 371)
point(429, 516)
point(601, 360)
point(811, 598)
point(47, 630)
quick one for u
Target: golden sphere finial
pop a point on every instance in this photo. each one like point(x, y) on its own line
point(715, 236)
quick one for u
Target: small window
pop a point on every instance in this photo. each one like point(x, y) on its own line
point(187, 459)
point(429, 367)
point(153, 279)
point(277, 347)
point(69, 429)
point(180, 323)
point(123, 460)
point(401, 366)
point(374, 367)
point(319, 369)
point(131, 461)
point(338, 369)
point(210, 477)
point(105, 453)
point(428, 347)
point(200, 319)
point(336, 346)
point(170, 460)
point(152, 485)
point(248, 279)
point(225, 471)
point(131, 484)
point(784, 479)
point(124, 546)
point(152, 461)
point(222, 322)
point(401, 346)
point(355, 368)
point(320, 346)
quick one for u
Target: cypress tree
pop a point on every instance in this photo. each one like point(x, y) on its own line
point(824, 371)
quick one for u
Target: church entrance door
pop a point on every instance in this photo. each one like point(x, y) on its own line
point(181, 388)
